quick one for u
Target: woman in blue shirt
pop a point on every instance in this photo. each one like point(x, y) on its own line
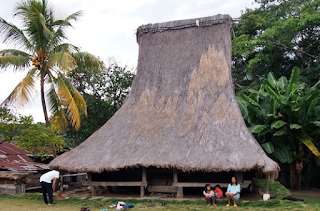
point(233, 191)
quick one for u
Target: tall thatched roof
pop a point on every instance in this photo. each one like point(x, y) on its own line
point(181, 112)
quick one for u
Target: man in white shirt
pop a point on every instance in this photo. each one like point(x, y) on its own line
point(48, 181)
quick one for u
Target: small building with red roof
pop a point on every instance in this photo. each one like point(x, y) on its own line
point(18, 172)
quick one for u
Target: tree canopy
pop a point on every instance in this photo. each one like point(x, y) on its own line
point(37, 139)
point(275, 37)
point(104, 90)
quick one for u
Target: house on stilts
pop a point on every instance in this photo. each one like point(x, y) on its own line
point(180, 126)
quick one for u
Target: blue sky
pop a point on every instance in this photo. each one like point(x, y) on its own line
point(107, 29)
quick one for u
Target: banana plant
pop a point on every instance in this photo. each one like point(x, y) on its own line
point(283, 115)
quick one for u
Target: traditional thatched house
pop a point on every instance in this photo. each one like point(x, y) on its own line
point(180, 116)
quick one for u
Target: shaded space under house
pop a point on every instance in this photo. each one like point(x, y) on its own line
point(180, 126)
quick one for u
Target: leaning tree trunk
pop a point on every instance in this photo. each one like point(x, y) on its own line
point(43, 100)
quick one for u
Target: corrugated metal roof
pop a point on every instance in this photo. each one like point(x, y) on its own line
point(10, 148)
point(13, 175)
point(14, 158)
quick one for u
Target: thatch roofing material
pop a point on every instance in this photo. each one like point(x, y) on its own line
point(181, 112)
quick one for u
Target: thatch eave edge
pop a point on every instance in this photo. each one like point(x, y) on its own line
point(274, 171)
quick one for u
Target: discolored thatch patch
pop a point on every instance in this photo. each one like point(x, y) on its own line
point(181, 112)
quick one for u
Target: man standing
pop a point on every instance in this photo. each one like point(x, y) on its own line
point(48, 181)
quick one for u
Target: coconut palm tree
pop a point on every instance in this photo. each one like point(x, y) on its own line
point(40, 49)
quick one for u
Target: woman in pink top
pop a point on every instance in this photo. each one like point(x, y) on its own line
point(209, 195)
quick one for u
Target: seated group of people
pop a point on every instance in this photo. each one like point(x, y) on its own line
point(233, 192)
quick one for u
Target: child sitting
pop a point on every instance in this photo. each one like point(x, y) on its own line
point(218, 192)
point(209, 195)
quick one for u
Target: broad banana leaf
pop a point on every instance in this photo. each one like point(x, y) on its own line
point(280, 132)
point(268, 147)
point(317, 123)
point(283, 82)
point(295, 126)
point(283, 153)
point(257, 128)
point(293, 79)
point(309, 100)
point(251, 101)
point(307, 140)
point(277, 124)
point(265, 131)
point(280, 155)
point(272, 81)
point(243, 108)
point(274, 94)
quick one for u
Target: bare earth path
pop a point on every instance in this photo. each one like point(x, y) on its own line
point(314, 192)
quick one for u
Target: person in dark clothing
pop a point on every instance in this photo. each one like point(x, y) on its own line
point(48, 181)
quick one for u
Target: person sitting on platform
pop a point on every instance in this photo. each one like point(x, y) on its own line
point(218, 192)
point(233, 192)
point(209, 195)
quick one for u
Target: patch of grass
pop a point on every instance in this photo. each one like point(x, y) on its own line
point(33, 201)
point(308, 199)
point(275, 188)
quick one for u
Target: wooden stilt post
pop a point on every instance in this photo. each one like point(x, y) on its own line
point(268, 183)
point(94, 191)
point(93, 188)
point(272, 177)
point(239, 175)
point(61, 176)
point(175, 175)
point(89, 177)
point(175, 180)
point(144, 181)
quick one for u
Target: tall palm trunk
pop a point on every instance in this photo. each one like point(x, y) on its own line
point(43, 100)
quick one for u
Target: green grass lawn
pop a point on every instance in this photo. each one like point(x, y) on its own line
point(34, 202)
point(28, 202)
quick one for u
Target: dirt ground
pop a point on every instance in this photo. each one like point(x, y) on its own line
point(312, 192)
point(191, 195)
point(82, 194)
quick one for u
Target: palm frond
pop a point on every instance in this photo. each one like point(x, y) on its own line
point(74, 16)
point(46, 32)
point(73, 100)
point(60, 33)
point(13, 35)
point(35, 17)
point(59, 120)
point(69, 102)
point(22, 93)
point(63, 60)
point(66, 47)
point(85, 60)
point(58, 114)
point(77, 97)
point(14, 58)
point(66, 22)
